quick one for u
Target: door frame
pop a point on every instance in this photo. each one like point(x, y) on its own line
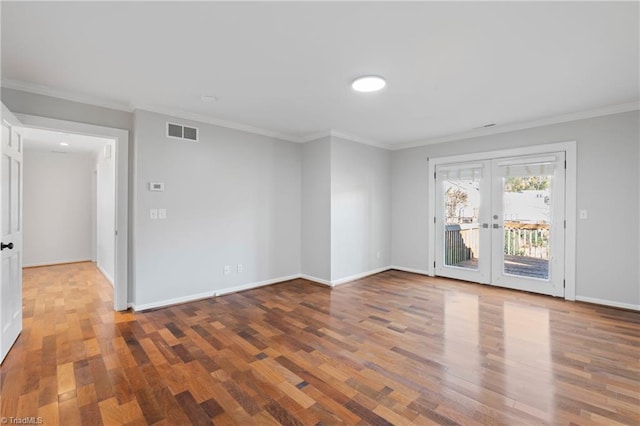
point(570, 150)
point(121, 277)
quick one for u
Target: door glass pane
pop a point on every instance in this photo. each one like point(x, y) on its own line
point(527, 224)
point(461, 208)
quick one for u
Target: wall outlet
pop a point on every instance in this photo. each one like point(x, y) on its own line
point(583, 214)
point(240, 268)
point(162, 213)
point(153, 214)
point(227, 270)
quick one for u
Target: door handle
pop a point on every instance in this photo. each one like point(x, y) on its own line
point(4, 246)
point(496, 226)
point(485, 225)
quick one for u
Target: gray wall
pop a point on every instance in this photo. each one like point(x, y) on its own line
point(316, 209)
point(231, 198)
point(360, 208)
point(58, 225)
point(608, 187)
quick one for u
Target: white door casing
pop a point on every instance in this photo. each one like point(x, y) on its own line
point(11, 236)
point(121, 228)
point(491, 170)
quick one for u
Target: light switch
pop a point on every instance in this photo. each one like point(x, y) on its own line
point(240, 268)
point(153, 214)
point(162, 213)
point(227, 269)
point(583, 214)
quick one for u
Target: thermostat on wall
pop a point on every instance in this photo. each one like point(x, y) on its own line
point(156, 186)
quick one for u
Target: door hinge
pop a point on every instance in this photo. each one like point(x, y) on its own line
point(434, 175)
point(565, 164)
point(564, 284)
point(434, 219)
point(116, 232)
point(434, 263)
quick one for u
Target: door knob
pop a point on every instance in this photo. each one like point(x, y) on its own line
point(4, 246)
point(496, 226)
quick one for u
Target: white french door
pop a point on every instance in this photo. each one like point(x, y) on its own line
point(11, 236)
point(501, 222)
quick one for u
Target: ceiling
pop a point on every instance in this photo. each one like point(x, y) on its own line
point(49, 140)
point(285, 69)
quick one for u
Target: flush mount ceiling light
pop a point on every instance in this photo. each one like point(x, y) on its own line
point(64, 144)
point(368, 83)
point(208, 98)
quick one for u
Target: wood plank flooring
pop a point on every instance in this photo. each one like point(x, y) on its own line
point(394, 348)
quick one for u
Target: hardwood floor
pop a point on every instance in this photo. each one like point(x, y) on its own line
point(394, 348)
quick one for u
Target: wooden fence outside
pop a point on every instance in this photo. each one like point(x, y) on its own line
point(520, 239)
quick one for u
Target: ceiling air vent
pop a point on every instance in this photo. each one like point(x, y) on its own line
point(178, 131)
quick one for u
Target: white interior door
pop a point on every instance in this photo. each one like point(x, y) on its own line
point(501, 222)
point(11, 222)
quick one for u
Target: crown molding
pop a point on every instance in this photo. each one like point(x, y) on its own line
point(313, 136)
point(598, 112)
point(66, 95)
point(358, 139)
point(342, 135)
point(185, 115)
point(121, 106)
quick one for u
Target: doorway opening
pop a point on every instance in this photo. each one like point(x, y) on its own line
point(69, 200)
point(119, 154)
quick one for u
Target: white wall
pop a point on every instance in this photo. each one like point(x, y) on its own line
point(57, 208)
point(232, 198)
point(105, 212)
point(316, 209)
point(608, 188)
point(360, 208)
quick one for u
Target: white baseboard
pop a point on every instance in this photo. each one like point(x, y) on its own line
point(414, 271)
point(348, 279)
point(316, 280)
point(249, 286)
point(62, 262)
point(340, 281)
point(255, 285)
point(608, 303)
point(209, 294)
point(107, 276)
point(174, 301)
